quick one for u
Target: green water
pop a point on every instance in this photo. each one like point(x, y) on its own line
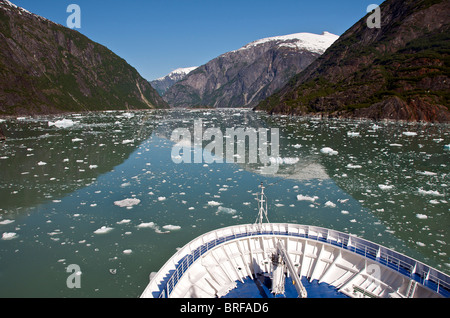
point(59, 185)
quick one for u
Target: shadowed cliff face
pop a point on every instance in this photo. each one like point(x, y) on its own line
point(48, 68)
point(400, 71)
point(243, 77)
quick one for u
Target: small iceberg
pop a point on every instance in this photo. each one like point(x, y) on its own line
point(63, 123)
point(330, 204)
point(103, 230)
point(328, 151)
point(147, 225)
point(222, 209)
point(127, 202)
point(171, 227)
point(301, 197)
point(8, 235)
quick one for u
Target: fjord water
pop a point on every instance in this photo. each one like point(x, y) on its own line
point(67, 190)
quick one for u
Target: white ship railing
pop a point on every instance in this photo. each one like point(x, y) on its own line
point(162, 286)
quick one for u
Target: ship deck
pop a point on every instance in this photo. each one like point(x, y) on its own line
point(220, 263)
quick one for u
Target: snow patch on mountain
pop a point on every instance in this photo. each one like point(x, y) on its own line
point(182, 71)
point(317, 43)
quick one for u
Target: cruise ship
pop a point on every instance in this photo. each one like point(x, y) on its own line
point(273, 260)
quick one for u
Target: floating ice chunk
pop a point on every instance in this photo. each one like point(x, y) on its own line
point(103, 230)
point(353, 220)
point(226, 210)
point(41, 163)
point(127, 141)
point(147, 225)
point(409, 133)
point(124, 221)
point(396, 145)
point(421, 216)
point(4, 222)
point(352, 133)
point(420, 243)
point(301, 197)
point(352, 166)
point(8, 235)
point(127, 202)
point(77, 139)
point(128, 115)
point(127, 252)
point(93, 166)
point(330, 204)
point(427, 173)
point(328, 151)
point(385, 186)
point(63, 123)
point(345, 212)
point(161, 198)
point(430, 192)
point(214, 203)
point(171, 227)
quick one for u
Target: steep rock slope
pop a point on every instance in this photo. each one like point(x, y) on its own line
point(400, 71)
point(244, 77)
point(48, 68)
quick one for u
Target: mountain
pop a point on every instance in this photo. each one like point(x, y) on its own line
point(162, 84)
point(243, 77)
point(48, 68)
point(399, 71)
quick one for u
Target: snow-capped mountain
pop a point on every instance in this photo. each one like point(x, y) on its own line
point(243, 77)
point(162, 84)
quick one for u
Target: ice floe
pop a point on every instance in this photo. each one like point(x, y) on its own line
point(222, 209)
point(328, 151)
point(430, 192)
point(170, 227)
point(4, 222)
point(63, 123)
point(330, 204)
point(301, 197)
point(8, 235)
point(103, 230)
point(147, 225)
point(127, 202)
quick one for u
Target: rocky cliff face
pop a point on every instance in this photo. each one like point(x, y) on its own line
point(244, 77)
point(400, 71)
point(48, 68)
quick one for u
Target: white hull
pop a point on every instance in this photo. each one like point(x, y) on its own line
point(210, 265)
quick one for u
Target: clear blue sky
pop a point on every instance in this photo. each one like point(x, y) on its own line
point(158, 36)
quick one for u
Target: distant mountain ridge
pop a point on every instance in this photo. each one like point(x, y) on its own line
point(400, 71)
point(243, 77)
point(48, 68)
point(162, 84)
